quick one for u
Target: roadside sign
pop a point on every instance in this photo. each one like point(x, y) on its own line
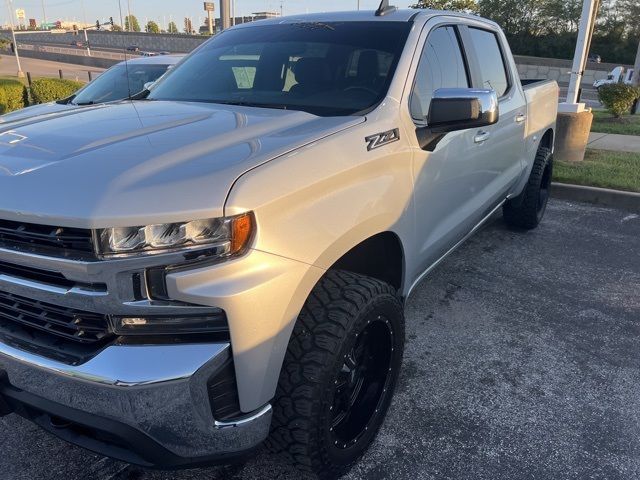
point(209, 7)
point(20, 14)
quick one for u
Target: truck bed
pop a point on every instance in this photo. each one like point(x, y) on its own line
point(542, 104)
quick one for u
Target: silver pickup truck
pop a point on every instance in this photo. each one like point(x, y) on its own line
point(225, 259)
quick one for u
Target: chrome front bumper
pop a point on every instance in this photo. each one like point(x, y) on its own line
point(131, 395)
point(145, 404)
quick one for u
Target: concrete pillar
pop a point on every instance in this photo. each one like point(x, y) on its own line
point(225, 14)
point(572, 135)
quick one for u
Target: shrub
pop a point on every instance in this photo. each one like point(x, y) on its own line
point(13, 95)
point(45, 90)
point(618, 98)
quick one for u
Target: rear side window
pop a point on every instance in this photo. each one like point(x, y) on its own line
point(492, 67)
point(441, 66)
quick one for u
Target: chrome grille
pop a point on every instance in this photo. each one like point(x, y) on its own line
point(58, 241)
point(19, 314)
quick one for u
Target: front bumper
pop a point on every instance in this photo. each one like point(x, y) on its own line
point(152, 403)
point(143, 404)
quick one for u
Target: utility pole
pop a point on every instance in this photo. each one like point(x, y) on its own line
point(358, 4)
point(13, 36)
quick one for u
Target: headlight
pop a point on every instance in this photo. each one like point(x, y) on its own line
point(229, 236)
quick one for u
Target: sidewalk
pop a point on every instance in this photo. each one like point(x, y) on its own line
point(616, 143)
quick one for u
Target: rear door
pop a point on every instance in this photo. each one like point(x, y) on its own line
point(503, 152)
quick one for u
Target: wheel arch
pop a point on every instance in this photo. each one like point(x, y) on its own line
point(547, 140)
point(380, 256)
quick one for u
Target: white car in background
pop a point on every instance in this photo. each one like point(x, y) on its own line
point(117, 83)
point(617, 75)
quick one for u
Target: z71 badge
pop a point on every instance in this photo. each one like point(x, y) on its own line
point(381, 139)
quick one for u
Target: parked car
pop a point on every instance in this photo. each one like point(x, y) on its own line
point(117, 83)
point(595, 58)
point(617, 75)
point(79, 44)
point(228, 257)
point(133, 48)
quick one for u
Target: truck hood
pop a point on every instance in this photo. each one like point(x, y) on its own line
point(138, 163)
point(36, 110)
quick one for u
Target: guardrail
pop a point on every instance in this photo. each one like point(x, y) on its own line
point(80, 52)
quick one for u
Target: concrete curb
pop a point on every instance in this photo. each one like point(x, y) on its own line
point(600, 196)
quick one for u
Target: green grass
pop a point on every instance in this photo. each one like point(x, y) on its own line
point(600, 168)
point(603, 122)
point(14, 77)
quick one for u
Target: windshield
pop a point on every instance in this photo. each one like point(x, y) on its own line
point(322, 68)
point(112, 84)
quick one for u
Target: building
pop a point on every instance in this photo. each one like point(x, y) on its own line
point(204, 29)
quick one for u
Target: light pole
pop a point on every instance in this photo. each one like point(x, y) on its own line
point(129, 16)
point(587, 19)
point(44, 14)
point(635, 80)
point(84, 21)
point(13, 36)
point(358, 4)
point(574, 119)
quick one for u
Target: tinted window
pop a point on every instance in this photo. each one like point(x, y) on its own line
point(335, 68)
point(492, 69)
point(118, 83)
point(441, 66)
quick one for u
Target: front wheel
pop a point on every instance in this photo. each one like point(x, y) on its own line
point(339, 373)
point(527, 210)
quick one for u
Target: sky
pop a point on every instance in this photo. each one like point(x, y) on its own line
point(163, 11)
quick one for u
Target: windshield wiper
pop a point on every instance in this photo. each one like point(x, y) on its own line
point(242, 103)
point(84, 104)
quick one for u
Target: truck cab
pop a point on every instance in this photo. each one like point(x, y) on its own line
point(225, 259)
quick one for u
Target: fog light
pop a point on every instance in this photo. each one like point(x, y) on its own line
point(176, 325)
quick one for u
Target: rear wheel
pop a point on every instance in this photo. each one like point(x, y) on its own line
point(527, 210)
point(339, 374)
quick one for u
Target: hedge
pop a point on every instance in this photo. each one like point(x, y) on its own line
point(13, 95)
point(618, 98)
point(44, 90)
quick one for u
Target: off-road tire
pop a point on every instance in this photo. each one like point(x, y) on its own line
point(341, 306)
point(527, 210)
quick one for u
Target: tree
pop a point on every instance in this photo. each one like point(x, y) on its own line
point(131, 24)
point(173, 28)
point(116, 28)
point(152, 27)
point(188, 26)
point(468, 6)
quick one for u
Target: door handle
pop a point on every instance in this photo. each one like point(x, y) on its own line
point(481, 137)
point(521, 117)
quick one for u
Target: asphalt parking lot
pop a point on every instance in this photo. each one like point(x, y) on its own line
point(522, 362)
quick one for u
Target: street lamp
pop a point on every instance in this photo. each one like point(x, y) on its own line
point(574, 119)
point(44, 15)
point(13, 36)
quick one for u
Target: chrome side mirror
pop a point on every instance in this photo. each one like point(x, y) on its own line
point(454, 109)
